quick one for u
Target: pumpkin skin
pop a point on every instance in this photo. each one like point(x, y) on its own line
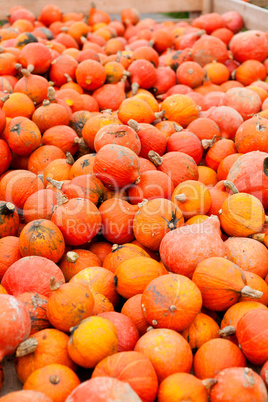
point(251, 135)
point(23, 136)
point(249, 254)
point(244, 101)
point(132, 309)
point(33, 85)
point(24, 276)
point(180, 108)
point(218, 152)
point(49, 115)
point(242, 215)
point(218, 196)
point(110, 387)
point(128, 366)
point(84, 347)
point(43, 238)
point(186, 142)
point(179, 386)
point(63, 137)
point(238, 381)
point(168, 351)
point(99, 280)
point(137, 272)
point(117, 134)
point(221, 283)
point(5, 155)
point(121, 253)
point(79, 221)
point(26, 396)
point(256, 282)
point(225, 165)
point(100, 249)
point(154, 219)
point(15, 319)
point(64, 64)
point(53, 378)
point(127, 331)
point(209, 48)
point(117, 220)
point(39, 205)
point(42, 156)
point(50, 347)
point(58, 169)
point(37, 307)
point(183, 248)
point(263, 373)
point(116, 166)
point(9, 219)
point(227, 119)
point(202, 330)
point(74, 261)
point(68, 304)
point(30, 54)
point(249, 45)
point(173, 311)
point(90, 74)
point(19, 104)
point(209, 360)
point(10, 253)
point(101, 304)
point(136, 109)
point(251, 165)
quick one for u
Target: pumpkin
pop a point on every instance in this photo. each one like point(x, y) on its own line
point(99, 280)
point(223, 34)
point(137, 272)
point(249, 45)
point(180, 108)
point(89, 350)
point(15, 320)
point(58, 169)
point(202, 330)
point(78, 219)
point(183, 248)
point(117, 220)
point(132, 309)
point(143, 74)
point(128, 366)
point(244, 101)
point(48, 346)
point(242, 215)
point(111, 388)
point(186, 142)
point(100, 249)
point(249, 254)
point(221, 283)
point(218, 151)
point(10, 253)
point(251, 135)
point(90, 74)
point(68, 304)
point(9, 219)
point(23, 136)
point(49, 14)
point(190, 73)
point(116, 166)
point(121, 253)
point(179, 386)
point(238, 381)
point(192, 198)
point(227, 118)
point(83, 165)
point(74, 261)
point(37, 307)
point(250, 71)
point(225, 165)
point(36, 54)
point(165, 79)
point(33, 85)
point(167, 350)
point(24, 276)
point(209, 22)
point(136, 109)
point(50, 115)
point(256, 282)
point(204, 128)
point(179, 304)
point(42, 156)
point(127, 331)
point(101, 304)
point(209, 48)
point(218, 196)
point(78, 120)
point(26, 396)
point(42, 237)
point(154, 219)
point(51, 379)
point(39, 205)
point(63, 137)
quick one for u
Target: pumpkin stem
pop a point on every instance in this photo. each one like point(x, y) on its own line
point(55, 183)
point(51, 83)
point(137, 180)
point(265, 167)
point(72, 256)
point(248, 292)
point(64, 29)
point(69, 158)
point(41, 177)
point(61, 199)
point(68, 78)
point(154, 322)
point(181, 197)
point(83, 39)
point(46, 102)
point(233, 74)
point(107, 111)
point(54, 379)
point(155, 158)
point(178, 128)
point(77, 140)
point(26, 347)
point(7, 208)
point(118, 56)
point(151, 43)
point(209, 382)
point(144, 201)
point(149, 328)
point(18, 66)
point(209, 143)
point(172, 308)
point(51, 94)
point(227, 331)
point(53, 284)
point(134, 88)
point(25, 72)
point(266, 219)
point(135, 125)
point(159, 97)
point(37, 301)
point(160, 115)
point(258, 236)
point(231, 186)
point(115, 247)
point(126, 73)
point(4, 99)
point(249, 377)
point(259, 127)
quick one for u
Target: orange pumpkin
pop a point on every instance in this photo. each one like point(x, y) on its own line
point(100, 249)
point(101, 304)
point(42, 156)
point(83, 165)
point(26, 396)
point(19, 105)
point(37, 307)
point(90, 74)
point(39, 205)
point(9, 218)
point(10, 253)
point(132, 309)
point(256, 282)
point(180, 108)
point(50, 115)
point(74, 261)
point(43, 238)
point(45, 347)
point(178, 305)
point(23, 136)
point(85, 348)
point(121, 253)
point(202, 330)
point(136, 109)
point(63, 137)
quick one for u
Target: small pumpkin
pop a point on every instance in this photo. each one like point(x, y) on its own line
point(9, 219)
point(74, 261)
point(37, 307)
point(202, 330)
point(132, 309)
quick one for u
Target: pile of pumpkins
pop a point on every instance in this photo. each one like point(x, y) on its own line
point(133, 190)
